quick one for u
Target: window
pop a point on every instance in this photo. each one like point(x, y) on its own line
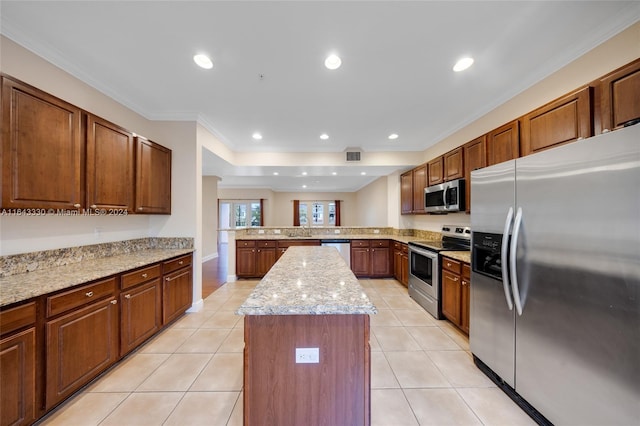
point(302, 214)
point(240, 213)
point(316, 213)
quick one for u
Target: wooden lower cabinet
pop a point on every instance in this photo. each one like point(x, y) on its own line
point(371, 258)
point(80, 345)
point(335, 391)
point(265, 259)
point(401, 263)
point(177, 294)
point(456, 292)
point(254, 258)
point(140, 314)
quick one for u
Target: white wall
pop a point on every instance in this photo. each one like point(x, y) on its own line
point(283, 206)
point(209, 217)
point(371, 204)
point(253, 194)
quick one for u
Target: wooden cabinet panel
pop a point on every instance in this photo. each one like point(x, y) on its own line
point(380, 262)
point(561, 121)
point(15, 318)
point(110, 166)
point(419, 183)
point(436, 171)
point(406, 192)
point(451, 296)
point(451, 265)
point(401, 263)
point(283, 245)
point(265, 259)
point(475, 158)
point(80, 345)
point(42, 149)
point(620, 96)
point(453, 164)
point(140, 314)
point(360, 264)
point(371, 258)
point(456, 295)
point(177, 294)
point(503, 143)
point(465, 299)
point(65, 301)
point(18, 378)
point(153, 177)
point(141, 275)
point(178, 263)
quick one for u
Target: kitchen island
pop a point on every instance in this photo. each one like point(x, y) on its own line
point(309, 300)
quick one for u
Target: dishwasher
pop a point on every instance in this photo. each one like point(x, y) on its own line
point(343, 247)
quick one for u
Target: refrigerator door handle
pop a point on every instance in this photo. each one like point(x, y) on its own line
point(503, 258)
point(512, 261)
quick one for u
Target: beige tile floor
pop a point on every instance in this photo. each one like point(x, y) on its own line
point(191, 374)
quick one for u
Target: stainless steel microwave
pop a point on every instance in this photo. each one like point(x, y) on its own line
point(444, 198)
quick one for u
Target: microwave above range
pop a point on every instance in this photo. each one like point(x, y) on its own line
point(445, 198)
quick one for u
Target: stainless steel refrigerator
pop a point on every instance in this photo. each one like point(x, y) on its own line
point(555, 285)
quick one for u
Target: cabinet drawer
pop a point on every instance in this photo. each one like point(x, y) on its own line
point(359, 243)
point(140, 276)
point(379, 243)
point(397, 245)
point(245, 243)
point(80, 296)
point(466, 271)
point(451, 265)
point(175, 264)
point(405, 248)
point(18, 317)
point(266, 244)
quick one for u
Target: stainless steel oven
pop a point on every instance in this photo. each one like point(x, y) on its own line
point(424, 278)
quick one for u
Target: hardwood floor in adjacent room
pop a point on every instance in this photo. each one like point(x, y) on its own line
point(214, 272)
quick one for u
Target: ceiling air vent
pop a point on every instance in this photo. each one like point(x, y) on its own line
point(353, 155)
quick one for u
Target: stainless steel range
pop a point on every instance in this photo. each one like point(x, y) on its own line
point(424, 266)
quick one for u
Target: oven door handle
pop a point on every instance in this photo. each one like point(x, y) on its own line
point(425, 253)
point(503, 258)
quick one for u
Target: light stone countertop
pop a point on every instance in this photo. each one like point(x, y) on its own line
point(308, 281)
point(20, 287)
point(398, 238)
point(463, 256)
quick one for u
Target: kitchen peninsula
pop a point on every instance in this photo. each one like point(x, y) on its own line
point(309, 300)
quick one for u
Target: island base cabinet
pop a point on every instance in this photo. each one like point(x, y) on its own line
point(80, 345)
point(279, 391)
point(18, 379)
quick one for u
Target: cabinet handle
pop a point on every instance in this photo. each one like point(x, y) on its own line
point(139, 208)
point(605, 130)
point(448, 264)
point(258, 250)
point(93, 206)
point(127, 296)
point(144, 275)
point(455, 279)
point(89, 294)
point(77, 206)
point(113, 302)
point(180, 263)
point(168, 279)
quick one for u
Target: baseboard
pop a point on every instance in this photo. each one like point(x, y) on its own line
point(232, 278)
point(210, 257)
point(196, 307)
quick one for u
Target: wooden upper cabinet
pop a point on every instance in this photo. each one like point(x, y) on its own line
point(503, 143)
point(475, 157)
point(436, 172)
point(620, 96)
point(153, 177)
point(419, 183)
point(453, 164)
point(561, 121)
point(110, 165)
point(42, 149)
point(406, 192)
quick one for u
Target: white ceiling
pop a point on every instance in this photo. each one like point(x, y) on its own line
point(268, 73)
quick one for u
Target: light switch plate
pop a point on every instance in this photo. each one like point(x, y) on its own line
point(307, 355)
point(336, 231)
point(376, 231)
point(260, 231)
point(276, 231)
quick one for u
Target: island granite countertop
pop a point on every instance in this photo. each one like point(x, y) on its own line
point(20, 287)
point(308, 281)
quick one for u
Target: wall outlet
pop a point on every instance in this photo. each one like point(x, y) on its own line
point(376, 231)
point(260, 231)
point(276, 231)
point(307, 355)
point(336, 231)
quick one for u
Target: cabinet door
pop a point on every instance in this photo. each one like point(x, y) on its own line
point(406, 193)
point(360, 261)
point(436, 171)
point(381, 262)
point(405, 270)
point(140, 314)
point(18, 378)
point(620, 96)
point(419, 183)
point(246, 262)
point(153, 177)
point(474, 158)
point(80, 345)
point(110, 166)
point(453, 164)
point(177, 294)
point(503, 143)
point(561, 121)
point(465, 303)
point(42, 148)
point(265, 259)
point(397, 265)
point(451, 296)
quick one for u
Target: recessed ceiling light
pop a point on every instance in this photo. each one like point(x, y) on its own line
point(363, 173)
point(393, 136)
point(276, 173)
point(324, 136)
point(257, 136)
point(333, 62)
point(463, 64)
point(304, 173)
point(203, 61)
point(304, 186)
point(334, 173)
